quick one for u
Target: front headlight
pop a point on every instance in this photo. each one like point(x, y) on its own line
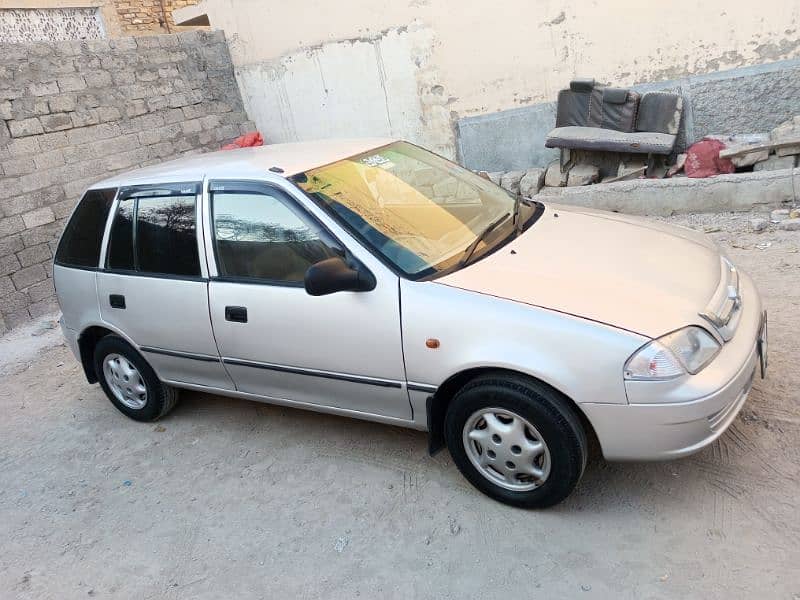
point(687, 350)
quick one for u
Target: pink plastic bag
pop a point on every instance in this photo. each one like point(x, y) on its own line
point(702, 159)
point(247, 140)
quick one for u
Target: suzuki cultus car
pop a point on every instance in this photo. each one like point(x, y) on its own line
point(374, 279)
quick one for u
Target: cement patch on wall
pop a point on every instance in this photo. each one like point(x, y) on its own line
point(367, 86)
point(744, 100)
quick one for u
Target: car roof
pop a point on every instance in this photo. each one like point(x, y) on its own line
point(292, 158)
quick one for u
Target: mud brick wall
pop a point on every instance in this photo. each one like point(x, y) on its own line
point(137, 16)
point(74, 112)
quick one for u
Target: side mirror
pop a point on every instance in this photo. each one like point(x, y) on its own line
point(335, 275)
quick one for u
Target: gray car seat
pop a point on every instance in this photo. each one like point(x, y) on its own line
point(591, 117)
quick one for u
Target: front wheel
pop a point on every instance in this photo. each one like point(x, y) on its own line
point(517, 440)
point(129, 382)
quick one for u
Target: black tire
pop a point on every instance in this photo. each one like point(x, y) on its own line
point(544, 408)
point(160, 398)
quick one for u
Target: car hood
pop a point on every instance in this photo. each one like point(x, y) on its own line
point(647, 277)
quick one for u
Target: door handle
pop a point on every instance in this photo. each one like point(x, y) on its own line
point(116, 301)
point(237, 314)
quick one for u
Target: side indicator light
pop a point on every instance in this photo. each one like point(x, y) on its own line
point(432, 343)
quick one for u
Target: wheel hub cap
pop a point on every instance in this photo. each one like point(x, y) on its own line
point(506, 449)
point(125, 381)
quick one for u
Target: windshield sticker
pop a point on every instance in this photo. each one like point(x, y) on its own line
point(377, 160)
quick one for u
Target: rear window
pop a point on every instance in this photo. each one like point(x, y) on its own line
point(154, 231)
point(83, 235)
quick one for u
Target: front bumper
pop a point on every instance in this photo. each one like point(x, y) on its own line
point(666, 420)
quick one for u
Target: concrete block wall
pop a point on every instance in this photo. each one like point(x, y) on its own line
point(73, 112)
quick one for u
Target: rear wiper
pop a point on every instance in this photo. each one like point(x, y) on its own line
point(471, 248)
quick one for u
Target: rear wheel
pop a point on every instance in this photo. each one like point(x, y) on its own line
point(517, 440)
point(129, 382)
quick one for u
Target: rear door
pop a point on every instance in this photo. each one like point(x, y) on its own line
point(342, 350)
point(154, 284)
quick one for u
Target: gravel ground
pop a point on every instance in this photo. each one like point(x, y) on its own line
point(227, 498)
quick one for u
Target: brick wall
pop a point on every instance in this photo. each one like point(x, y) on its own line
point(138, 16)
point(72, 113)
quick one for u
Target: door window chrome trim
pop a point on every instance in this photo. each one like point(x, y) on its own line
point(391, 383)
point(150, 275)
point(179, 354)
point(257, 281)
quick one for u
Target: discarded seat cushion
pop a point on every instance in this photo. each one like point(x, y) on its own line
point(573, 108)
point(594, 138)
point(616, 109)
point(660, 112)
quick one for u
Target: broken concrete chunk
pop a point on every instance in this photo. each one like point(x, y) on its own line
point(758, 225)
point(554, 177)
point(495, 177)
point(788, 150)
point(775, 163)
point(785, 131)
point(779, 214)
point(749, 138)
point(510, 181)
point(680, 161)
point(531, 182)
point(750, 158)
point(583, 175)
point(794, 213)
point(789, 225)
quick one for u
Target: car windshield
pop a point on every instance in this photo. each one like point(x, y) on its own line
point(422, 213)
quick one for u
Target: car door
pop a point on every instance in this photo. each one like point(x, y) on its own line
point(342, 350)
point(154, 286)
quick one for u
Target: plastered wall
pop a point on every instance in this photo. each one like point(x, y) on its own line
point(413, 68)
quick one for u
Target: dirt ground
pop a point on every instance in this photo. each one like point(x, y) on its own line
point(234, 499)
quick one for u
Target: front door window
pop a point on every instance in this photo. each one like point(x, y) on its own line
point(260, 235)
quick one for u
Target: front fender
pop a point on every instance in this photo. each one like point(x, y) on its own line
point(580, 358)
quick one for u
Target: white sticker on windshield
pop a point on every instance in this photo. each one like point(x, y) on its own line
point(376, 160)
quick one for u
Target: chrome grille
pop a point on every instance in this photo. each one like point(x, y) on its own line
point(724, 308)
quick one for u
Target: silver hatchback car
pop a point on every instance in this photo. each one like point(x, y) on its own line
point(374, 279)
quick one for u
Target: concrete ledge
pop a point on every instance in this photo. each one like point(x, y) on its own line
point(664, 197)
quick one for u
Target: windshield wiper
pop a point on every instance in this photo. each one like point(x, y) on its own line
point(471, 248)
point(517, 217)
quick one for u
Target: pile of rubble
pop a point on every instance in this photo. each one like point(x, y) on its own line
point(787, 219)
point(778, 149)
point(526, 183)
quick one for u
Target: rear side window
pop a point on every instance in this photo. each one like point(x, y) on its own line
point(83, 236)
point(154, 231)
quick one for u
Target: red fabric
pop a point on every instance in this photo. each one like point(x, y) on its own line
point(702, 159)
point(247, 140)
